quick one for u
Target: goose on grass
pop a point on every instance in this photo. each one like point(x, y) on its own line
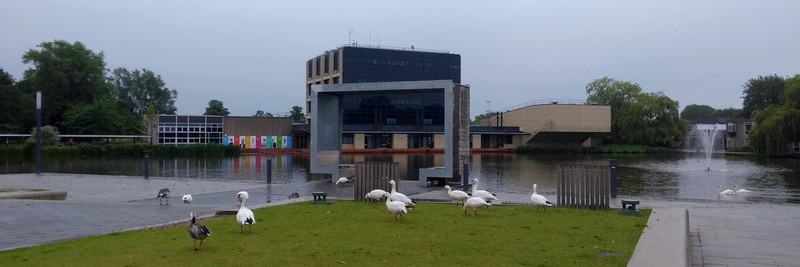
point(395, 207)
point(485, 195)
point(456, 195)
point(244, 216)
point(539, 200)
point(376, 194)
point(197, 231)
point(397, 196)
point(474, 203)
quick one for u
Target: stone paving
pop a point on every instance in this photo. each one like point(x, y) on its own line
point(722, 233)
point(740, 234)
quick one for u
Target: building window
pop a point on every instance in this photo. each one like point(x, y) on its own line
point(336, 61)
point(347, 138)
point(317, 61)
point(747, 127)
point(327, 65)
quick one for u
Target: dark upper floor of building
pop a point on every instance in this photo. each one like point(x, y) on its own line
point(364, 63)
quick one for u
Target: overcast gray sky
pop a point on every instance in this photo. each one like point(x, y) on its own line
point(251, 54)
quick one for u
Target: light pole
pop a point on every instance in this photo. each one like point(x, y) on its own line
point(38, 132)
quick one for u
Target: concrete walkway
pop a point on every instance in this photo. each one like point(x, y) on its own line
point(721, 233)
point(740, 234)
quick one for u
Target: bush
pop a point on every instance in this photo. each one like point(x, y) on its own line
point(49, 136)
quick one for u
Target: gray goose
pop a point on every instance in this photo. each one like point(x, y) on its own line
point(163, 193)
point(197, 231)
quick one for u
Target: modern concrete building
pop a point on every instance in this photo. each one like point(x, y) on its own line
point(546, 123)
point(355, 63)
point(390, 115)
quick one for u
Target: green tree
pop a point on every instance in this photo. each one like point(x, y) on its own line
point(478, 118)
point(50, 136)
point(762, 92)
point(618, 95)
point(729, 113)
point(101, 117)
point(297, 114)
point(636, 117)
point(15, 106)
point(261, 113)
point(777, 126)
point(138, 89)
point(68, 75)
point(215, 107)
point(694, 112)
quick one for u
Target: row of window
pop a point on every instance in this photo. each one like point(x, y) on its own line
point(403, 63)
point(188, 141)
point(190, 129)
point(323, 60)
point(203, 135)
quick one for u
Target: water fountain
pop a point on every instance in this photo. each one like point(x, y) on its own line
point(707, 135)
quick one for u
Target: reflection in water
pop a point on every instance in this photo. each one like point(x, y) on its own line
point(663, 176)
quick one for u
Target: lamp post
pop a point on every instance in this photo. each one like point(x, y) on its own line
point(269, 178)
point(38, 132)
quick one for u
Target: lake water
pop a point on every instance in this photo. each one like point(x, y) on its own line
point(671, 176)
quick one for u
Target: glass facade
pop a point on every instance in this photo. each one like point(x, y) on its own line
point(417, 111)
point(364, 65)
point(181, 129)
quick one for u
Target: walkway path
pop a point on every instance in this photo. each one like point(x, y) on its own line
point(740, 234)
point(723, 234)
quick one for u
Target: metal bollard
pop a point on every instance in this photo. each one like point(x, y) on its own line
point(269, 178)
point(465, 176)
point(269, 168)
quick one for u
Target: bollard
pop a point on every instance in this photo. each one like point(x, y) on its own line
point(465, 176)
point(612, 163)
point(269, 168)
point(146, 165)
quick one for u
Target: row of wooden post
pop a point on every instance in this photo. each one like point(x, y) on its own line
point(583, 186)
point(374, 175)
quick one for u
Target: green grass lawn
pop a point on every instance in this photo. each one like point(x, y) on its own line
point(348, 233)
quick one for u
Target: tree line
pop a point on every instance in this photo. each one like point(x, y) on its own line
point(82, 96)
point(652, 119)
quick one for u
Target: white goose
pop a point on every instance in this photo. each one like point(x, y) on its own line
point(197, 231)
point(343, 180)
point(474, 203)
point(187, 198)
point(395, 207)
point(397, 196)
point(485, 195)
point(456, 195)
point(539, 200)
point(376, 194)
point(244, 215)
point(742, 190)
point(726, 191)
